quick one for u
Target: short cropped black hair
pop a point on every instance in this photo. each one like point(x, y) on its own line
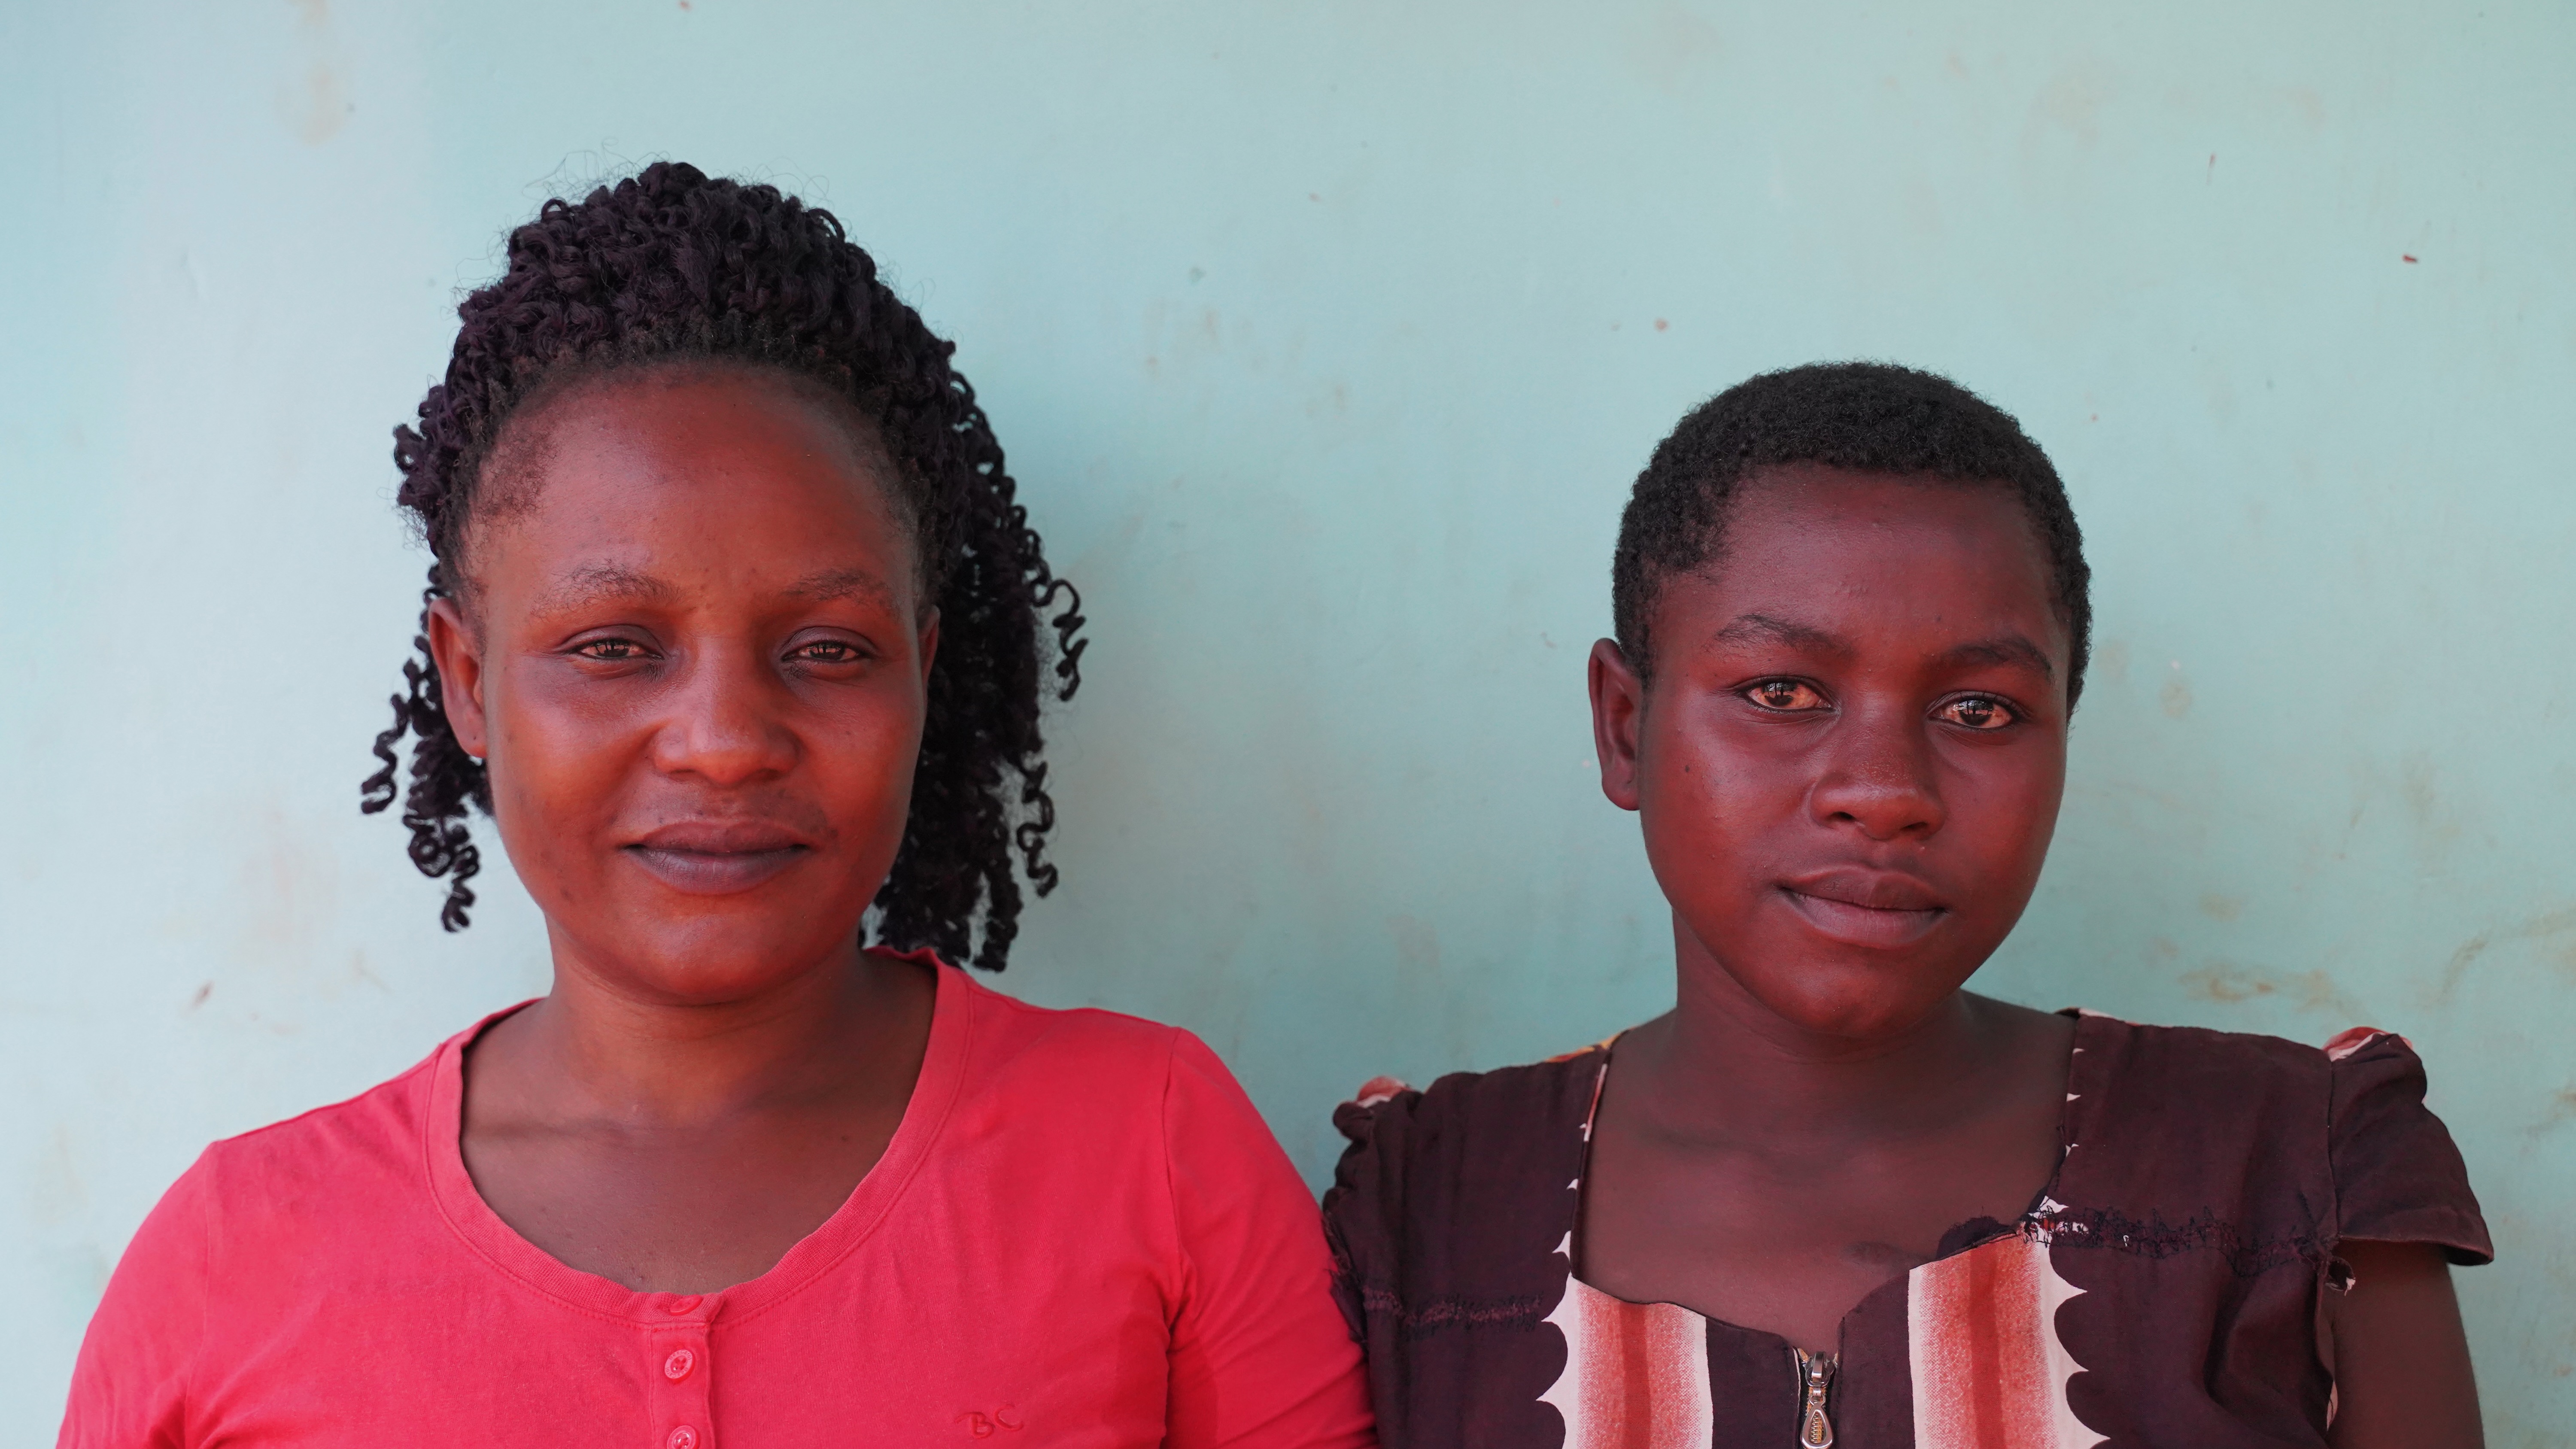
point(672, 267)
point(1868, 417)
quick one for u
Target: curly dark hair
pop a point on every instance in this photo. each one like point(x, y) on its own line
point(672, 266)
point(1873, 417)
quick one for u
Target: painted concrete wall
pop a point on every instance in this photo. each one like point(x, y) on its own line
point(1326, 338)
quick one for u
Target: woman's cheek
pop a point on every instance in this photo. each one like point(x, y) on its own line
point(858, 768)
point(555, 786)
point(1693, 854)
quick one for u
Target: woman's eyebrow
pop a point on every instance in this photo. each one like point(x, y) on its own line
point(1764, 628)
point(852, 583)
point(595, 582)
point(2002, 649)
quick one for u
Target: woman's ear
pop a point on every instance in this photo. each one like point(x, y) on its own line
point(1618, 721)
point(459, 655)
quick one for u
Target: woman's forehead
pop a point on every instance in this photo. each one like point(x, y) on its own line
point(1859, 555)
point(1825, 529)
point(707, 403)
point(691, 476)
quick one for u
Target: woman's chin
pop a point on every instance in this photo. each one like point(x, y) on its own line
point(713, 958)
point(1856, 1001)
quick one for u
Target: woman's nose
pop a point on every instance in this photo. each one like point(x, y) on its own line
point(1878, 777)
point(724, 725)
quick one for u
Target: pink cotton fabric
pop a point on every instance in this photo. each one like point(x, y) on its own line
point(1081, 1235)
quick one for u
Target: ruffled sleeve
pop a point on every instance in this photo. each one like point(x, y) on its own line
point(1358, 1212)
point(2398, 1177)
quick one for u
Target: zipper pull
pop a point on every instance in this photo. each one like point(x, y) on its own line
point(1815, 1381)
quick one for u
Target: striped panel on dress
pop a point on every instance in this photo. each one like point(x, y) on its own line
point(1989, 1370)
point(1636, 1374)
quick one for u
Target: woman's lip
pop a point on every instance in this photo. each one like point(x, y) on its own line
point(1863, 925)
point(720, 837)
point(714, 873)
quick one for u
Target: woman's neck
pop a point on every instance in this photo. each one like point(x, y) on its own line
point(687, 1146)
point(1722, 1067)
point(591, 1050)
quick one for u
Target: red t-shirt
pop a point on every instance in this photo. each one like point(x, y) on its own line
point(1082, 1234)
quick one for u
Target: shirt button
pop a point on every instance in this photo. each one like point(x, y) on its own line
point(682, 1305)
point(677, 1366)
point(684, 1437)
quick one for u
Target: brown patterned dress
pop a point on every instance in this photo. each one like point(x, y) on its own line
point(2164, 1292)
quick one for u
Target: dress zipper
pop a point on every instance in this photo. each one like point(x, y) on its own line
point(1815, 1381)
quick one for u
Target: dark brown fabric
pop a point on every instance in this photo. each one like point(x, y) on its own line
point(2206, 1180)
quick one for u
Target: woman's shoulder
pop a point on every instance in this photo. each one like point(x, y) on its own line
point(2180, 1061)
point(274, 1194)
point(1085, 1041)
point(2262, 1090)
point(2337, 1136)
point(1478, 1170)
point(1490, 1119)
point(1094, 1075)
point(320, 1154)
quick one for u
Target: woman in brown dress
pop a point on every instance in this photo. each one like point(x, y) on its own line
point(1832, 1198)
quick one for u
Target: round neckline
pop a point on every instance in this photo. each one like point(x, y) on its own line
point(461, 1204)
point(2080, 1088)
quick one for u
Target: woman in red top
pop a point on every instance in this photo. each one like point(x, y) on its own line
point(735, 632)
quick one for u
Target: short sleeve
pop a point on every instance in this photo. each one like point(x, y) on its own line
point(130, 1384)
point(2398, 1177)
point(1355, 1206)
point(1260, 1357)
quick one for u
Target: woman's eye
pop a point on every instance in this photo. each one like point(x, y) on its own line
point(1978, 712)
point(824, 651)
point(1786, 695)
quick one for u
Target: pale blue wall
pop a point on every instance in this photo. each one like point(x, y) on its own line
point(1326, 337)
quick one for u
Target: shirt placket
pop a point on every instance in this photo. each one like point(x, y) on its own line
point(680, 1372)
